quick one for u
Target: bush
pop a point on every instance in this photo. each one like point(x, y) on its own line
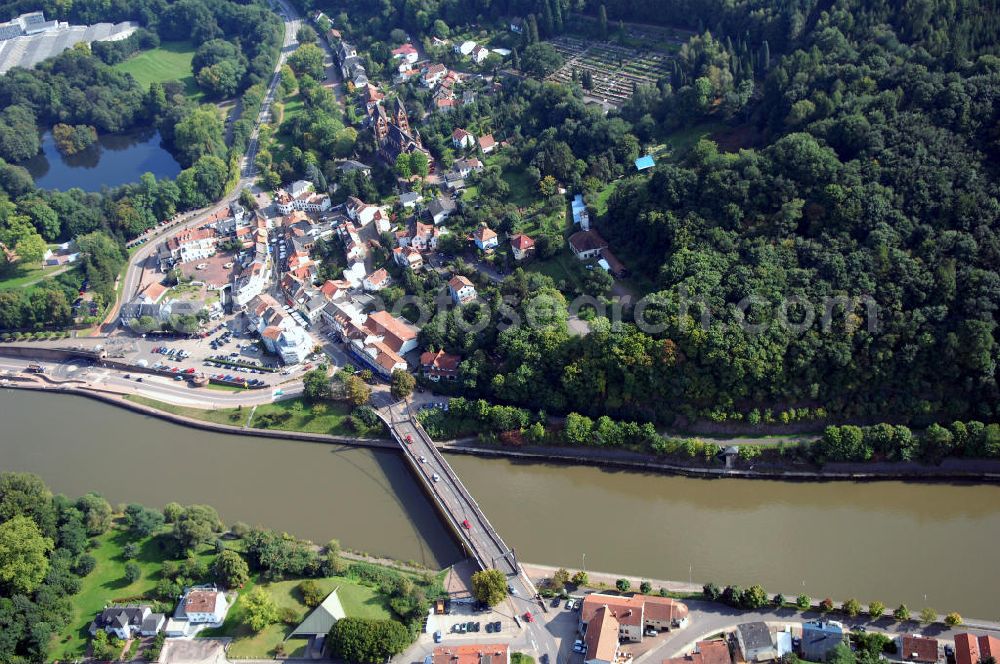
point(312, 594)
point(711, 591)
point(366, 640)
point(826, 605)
point(84, 564)
point(953, 619)
point(803, 602)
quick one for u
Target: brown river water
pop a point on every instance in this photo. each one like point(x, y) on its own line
point(891, 541)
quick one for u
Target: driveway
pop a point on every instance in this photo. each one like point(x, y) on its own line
point(194, 651)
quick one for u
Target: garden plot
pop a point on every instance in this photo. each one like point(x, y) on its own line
point(616, 70)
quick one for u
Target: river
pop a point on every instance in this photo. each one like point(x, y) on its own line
point(889, 540)
point(115, 159)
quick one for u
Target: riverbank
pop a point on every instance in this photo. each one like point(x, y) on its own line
point(950, 470)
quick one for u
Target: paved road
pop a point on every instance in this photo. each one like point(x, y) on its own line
point(142, 258)
point(160, 388)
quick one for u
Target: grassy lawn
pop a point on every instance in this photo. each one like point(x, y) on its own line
point(171, 61)
point(28, 277)
point(522, 190)
point(680, 141)
point(106, 584)
point(333, 421)
point(357, 600)
point(600, 199)
point(560, 267)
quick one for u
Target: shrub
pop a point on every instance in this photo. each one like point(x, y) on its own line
point(826, 605)
point(803, 602)
point(711, 591)
point(953, 619)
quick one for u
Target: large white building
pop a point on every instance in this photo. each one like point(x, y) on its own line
point(300, 195)
point(201, 605)
point(278, 330)
point(193, 244)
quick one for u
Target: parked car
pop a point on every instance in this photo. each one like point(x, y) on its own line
point(650, 632)
point(578, 646)
point(437, 636)
point(569, 604)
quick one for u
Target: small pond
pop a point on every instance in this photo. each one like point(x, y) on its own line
point(114, 160)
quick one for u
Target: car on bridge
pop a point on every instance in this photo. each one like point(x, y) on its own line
point(409, 439)
point(468, 526)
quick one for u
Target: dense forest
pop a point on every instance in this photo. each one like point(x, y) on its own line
point(868, 171)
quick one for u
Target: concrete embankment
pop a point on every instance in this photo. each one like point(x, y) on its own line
point(951, 470)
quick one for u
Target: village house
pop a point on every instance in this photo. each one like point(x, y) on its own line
point(410, 199)
point(425, 237)
point(127, 622)
point(465, 48)
point(192, 244)
point(517, 25)
point(432, 75)
point(819, 637)
point(407, 53)
point(466, 166)
point(371, 97)
point(300, 195)
point(367, 213)
point(349, 165)
point(63, 254)
point(408, 257)
point(706, 652)
point(972, 649)
point(279, 331)
point(581, 217)
point(485, 238)
point(479, 54)
point(376, 281)
point(440, 208)
point(522, 246)
point(635, 614)
point(755, 642)
point(601, 640)
point(440, 365)
point(202, 605)
point(255, 273)
point(487, 144)
point(461, 289)
point(462, 139)
point(917, 648)
point(380, 342)
point(587, 244)
point(471, 653)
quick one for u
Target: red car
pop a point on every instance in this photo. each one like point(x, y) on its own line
point(528, 617)
point(409, 439)
point(468, 526)
point(175, 370)
point(189, 371)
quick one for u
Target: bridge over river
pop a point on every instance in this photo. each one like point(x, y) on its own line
point(481, 541)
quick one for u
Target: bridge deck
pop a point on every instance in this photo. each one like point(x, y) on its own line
point(481, 540)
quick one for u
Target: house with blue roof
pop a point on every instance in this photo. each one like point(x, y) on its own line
point(645, 163)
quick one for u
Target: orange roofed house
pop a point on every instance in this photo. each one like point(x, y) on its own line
point(917, 648)
point(440, 365)
point(972, 649)
point(635, 614)
point(706, 652)
point(470, 654)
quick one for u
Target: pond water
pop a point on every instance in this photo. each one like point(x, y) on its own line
point(114, 160)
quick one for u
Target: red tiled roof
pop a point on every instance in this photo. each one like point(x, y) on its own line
point(458, 282)
point(484, 233)
point(602, 635)
point(440, 361)
point(586, 241)
point(395, 331)
point(459, 135)
point(970, 649)
point(472, 654)
point(522, 242)
point(486, 141)
point(203, 601)
point(919, 648)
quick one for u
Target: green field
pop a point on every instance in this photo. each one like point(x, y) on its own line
point(358, 601)
point(332, 422)
point(170, 61)
point(106, 584)
point(33, 275)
